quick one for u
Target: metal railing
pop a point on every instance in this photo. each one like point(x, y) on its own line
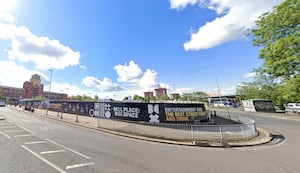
point(185, 132)
point(245, 129)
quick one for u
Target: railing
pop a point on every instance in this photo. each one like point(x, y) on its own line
point(185, 132)
point(245, 129)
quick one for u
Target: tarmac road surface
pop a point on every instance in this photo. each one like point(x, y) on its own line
point(31, 143)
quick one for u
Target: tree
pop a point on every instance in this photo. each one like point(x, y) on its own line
point(194, 96)
point(264, 86)
point(96, 98)
point(278, 33)
point(137, 97)
point(40, 97)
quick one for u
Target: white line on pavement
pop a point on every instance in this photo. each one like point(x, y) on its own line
point(35, 142)
point(7, 127)
point(44, 160)
point(10, 131)
point(67, 148)
point(5, 135)
point(17, 136)
point(53, 151)
point(79, 165)
point(25, 129)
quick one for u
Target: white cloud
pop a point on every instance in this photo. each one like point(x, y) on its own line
point(42, 51)
point(105, 85)
point(7, 18)
point(239, 16)
point(132, 73)
point(14, 75)
point(83, 67)
point(250, 75)
point(128, 73)
point(148, 81)
point(180, 4)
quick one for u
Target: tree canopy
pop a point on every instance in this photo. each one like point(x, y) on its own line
point(278, 33)
point(84, 98)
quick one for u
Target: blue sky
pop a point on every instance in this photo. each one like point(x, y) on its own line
point(118, 48)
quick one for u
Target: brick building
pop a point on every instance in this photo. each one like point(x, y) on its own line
point(55, 96)
point(11, 92)
point(160, 92)
point(31, 89)
point(148, 94)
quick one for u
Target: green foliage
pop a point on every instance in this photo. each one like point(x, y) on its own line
point(84, 98)
point(163, 97)
point(42, 98)
point(194, 96)
point(266, 86)
point(290, 91)
point(278, 33)
point(137, 97)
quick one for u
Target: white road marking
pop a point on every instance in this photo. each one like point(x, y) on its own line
point(53, 151)
point(5, 135)
point(35, 142)
point(25, 129)
point(79, 165)
point(18, 136)
point(44, 160)
point(67, 148)
point(10, 131)
point(7, 127)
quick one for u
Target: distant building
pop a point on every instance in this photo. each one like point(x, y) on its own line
point(160, 92)
point(55, 96)
point(11, 92)
point(175, 96)
point(31, 89)
point(148, 94)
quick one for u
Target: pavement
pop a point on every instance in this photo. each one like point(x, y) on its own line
point(264, 136)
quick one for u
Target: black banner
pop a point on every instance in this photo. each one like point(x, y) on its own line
point(147, 112)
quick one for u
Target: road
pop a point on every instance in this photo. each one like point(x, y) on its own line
point(31, 143)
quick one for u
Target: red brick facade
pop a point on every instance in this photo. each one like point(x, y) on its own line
point(148, 94)
point(160, 92)
point(30, 90)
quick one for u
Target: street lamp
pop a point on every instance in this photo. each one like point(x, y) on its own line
point(49, 91)
point(50, 81)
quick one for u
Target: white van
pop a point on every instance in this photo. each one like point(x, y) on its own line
point(292, 108)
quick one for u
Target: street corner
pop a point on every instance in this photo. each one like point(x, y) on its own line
point(264, 137)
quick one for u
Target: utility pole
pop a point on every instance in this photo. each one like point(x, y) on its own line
point(219, 90)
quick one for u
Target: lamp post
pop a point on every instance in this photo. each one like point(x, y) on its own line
point(49, 91)
point(50, 80)
point(219, 92)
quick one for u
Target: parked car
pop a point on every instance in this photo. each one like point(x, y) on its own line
point(292, 108)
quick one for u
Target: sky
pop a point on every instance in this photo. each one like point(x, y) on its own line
point(120, 48)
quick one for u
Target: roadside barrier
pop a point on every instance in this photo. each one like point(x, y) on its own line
point(245, 128)
point(185, 132)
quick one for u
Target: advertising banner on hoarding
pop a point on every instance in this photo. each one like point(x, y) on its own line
point(146, 112)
